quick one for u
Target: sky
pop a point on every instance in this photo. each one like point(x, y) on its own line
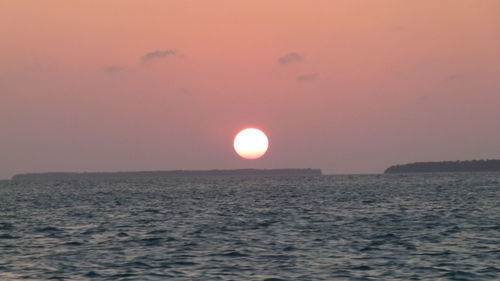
point(346, 86)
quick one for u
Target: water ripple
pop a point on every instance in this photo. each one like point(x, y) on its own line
point(380, 227)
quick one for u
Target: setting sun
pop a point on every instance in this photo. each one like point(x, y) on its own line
point(251, 143)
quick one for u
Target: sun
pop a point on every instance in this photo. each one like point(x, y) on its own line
point(251, 143)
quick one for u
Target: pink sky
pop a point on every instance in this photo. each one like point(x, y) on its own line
point(360, 85)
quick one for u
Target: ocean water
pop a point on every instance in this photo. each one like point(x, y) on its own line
point(371, 227)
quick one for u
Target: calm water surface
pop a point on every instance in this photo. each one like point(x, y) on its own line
point(380, 227)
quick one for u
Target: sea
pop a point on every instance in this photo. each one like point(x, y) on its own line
point(270, 228)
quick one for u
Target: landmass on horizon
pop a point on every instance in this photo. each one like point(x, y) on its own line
point(446, 166)
point(61, 176)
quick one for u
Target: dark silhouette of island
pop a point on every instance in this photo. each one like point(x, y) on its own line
point(37, 177)
point(447, 166)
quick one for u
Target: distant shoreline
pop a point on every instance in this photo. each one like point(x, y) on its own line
point(51, 176)
point(446, 166)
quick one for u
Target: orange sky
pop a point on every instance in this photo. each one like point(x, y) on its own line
point(368, 84)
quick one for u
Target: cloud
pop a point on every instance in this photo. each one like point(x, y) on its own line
point(113, 68)
point(455, 76)
point(307, 77)
point(157, 55)
point(398, 28)
point(290, 58)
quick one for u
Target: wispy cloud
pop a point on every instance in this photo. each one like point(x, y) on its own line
point(158, 55)
point(455, 76)
point(290, 58)
point(307, 77)
point(398, 28)
point(113, 68)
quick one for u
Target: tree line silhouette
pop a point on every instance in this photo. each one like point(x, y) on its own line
point(446, 166)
